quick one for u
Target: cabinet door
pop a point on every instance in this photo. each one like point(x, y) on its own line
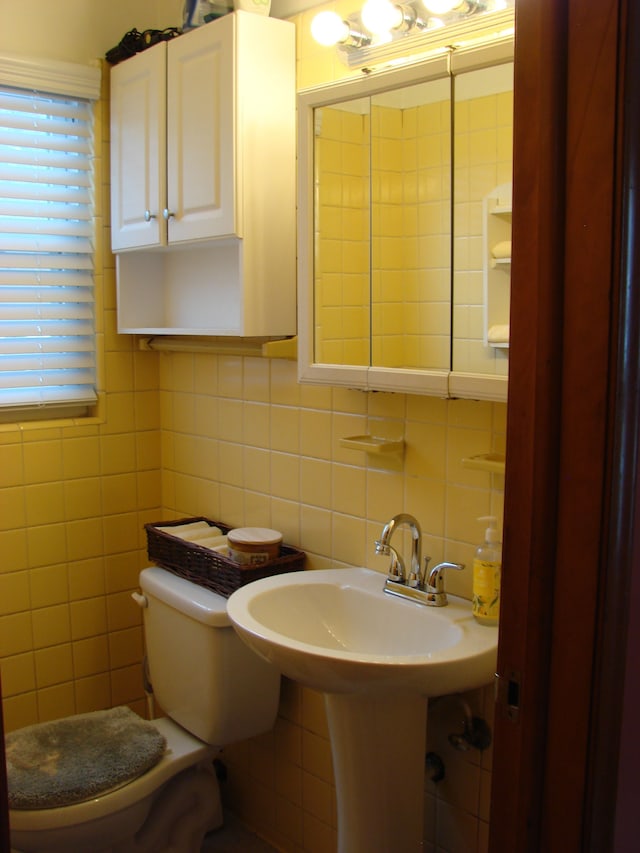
point(201, 133)
point(483, 119)
point(138, 150)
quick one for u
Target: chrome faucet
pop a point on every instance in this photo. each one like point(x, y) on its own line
point(417, 586)
point(397, 571)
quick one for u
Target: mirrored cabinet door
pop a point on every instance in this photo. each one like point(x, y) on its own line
point(481, 282)
point(374, 235)
point(399, 285)
point(342, 233)
point(411, 227)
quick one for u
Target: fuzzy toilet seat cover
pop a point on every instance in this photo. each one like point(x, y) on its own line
point(76, 758)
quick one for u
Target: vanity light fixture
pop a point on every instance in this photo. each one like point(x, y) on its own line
point(384, 30)
point(328, 29)
point(380, 17)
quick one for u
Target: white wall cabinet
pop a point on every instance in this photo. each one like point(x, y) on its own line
point(203, 181)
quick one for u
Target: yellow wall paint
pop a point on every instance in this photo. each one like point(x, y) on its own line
point(79, 30)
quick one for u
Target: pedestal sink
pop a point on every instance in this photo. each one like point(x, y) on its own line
point(377, 659)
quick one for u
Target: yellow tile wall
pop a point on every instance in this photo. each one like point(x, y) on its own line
point(272, 457)
point(74, 496)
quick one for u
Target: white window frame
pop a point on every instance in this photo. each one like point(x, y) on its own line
point(63, 299)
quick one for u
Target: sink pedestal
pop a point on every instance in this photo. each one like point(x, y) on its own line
point(378, 744)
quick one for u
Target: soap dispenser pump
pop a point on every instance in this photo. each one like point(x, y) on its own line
point(487, 566)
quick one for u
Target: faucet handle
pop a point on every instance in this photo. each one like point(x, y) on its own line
point(435, 583)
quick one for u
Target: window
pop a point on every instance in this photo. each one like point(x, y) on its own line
point(47, 335)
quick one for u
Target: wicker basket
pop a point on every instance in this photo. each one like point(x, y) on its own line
point(209, 568)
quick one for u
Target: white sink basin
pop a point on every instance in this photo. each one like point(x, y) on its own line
point(377, 659)
point(336, 631)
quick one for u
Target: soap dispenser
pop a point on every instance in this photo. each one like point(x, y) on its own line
point(487, 565)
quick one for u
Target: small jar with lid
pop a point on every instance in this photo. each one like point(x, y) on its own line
point(251, 546)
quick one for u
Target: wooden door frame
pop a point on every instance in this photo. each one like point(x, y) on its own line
point(611, 814)
point(567, 568)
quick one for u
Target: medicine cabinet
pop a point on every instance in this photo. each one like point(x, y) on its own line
point(203, 181)
point(394, 173)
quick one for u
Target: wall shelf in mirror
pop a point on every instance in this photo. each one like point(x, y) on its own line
point(496, 248)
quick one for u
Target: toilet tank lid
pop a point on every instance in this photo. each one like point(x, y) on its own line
point(194, 601)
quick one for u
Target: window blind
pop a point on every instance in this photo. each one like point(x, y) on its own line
point(47, 332)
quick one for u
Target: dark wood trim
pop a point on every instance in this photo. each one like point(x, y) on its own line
point(558, 438)
point(533, 448)
point(611, 819)
point(589, 291)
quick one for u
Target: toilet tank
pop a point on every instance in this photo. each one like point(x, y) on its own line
point(203, 676)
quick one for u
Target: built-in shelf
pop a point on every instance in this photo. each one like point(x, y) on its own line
point(497, 270)
point(492, 462)
point(372, 444)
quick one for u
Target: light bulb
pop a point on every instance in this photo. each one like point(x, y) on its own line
point(381, 16)
point(441, 7)
point(328, 28)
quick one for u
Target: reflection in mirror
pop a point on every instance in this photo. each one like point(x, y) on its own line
point(382, 229)
point(483, 121)
point(405, 227)
point(411, 227)
point(342, 159)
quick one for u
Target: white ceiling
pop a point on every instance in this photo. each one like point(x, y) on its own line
point(286, 8)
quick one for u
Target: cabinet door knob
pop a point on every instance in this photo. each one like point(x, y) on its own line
point(148, 216)
point(168, 214)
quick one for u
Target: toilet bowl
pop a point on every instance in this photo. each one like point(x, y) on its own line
point(184, 771)
point(214, 692)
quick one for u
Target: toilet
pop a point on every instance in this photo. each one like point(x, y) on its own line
point(213, 691)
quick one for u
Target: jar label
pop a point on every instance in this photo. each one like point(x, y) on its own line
point(249, 558)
